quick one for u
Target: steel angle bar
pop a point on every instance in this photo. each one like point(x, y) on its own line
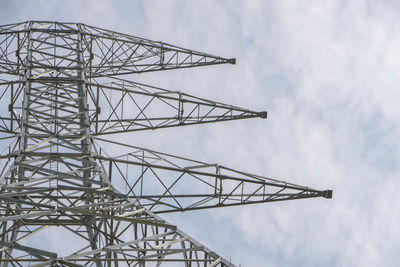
point(27, 215)
point(41, 254)
point(119, 245)
point(42, 264)
point(27, 235)
point(71, 264)
point(133, 220)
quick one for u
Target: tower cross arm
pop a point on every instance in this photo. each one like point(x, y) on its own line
point(105, 53)
point(125, 106)
point(113, 53)
point(165, 183)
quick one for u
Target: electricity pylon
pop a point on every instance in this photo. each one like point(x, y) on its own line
point(60, 101)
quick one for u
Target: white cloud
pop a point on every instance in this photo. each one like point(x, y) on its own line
point(328, 73)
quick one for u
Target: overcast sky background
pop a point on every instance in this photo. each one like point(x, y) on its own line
point(328, 74)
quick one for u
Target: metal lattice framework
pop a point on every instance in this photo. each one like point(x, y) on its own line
point(56, 118)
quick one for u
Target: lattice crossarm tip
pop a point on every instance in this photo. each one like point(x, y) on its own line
point(328, 194)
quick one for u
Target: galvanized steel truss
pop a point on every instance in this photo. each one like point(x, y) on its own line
point(60, 100)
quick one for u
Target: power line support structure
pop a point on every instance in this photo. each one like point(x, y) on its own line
point(57, 114)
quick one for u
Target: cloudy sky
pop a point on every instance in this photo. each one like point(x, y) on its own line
point(328, 74)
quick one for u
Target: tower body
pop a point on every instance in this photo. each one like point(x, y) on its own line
point(57, 113)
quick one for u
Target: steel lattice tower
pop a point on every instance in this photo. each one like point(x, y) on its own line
point(56, 118)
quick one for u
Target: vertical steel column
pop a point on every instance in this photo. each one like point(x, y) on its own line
point(86, 147)
point(23, 137)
